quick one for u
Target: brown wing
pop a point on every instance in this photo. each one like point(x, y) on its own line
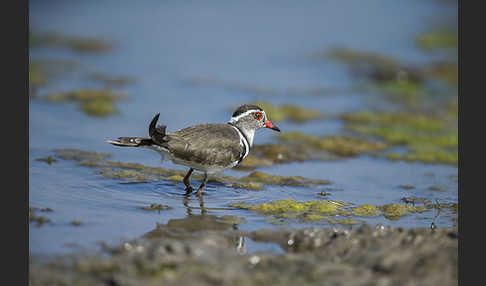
point(207, 144)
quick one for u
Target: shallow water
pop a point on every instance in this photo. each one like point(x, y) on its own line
point(238, 44)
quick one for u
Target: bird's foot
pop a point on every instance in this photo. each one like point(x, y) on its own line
point(189, 190)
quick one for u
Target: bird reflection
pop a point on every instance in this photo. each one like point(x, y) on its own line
point(187, 199)
point(241, 245)
point(206, 221)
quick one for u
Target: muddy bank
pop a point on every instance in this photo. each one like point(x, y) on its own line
point(215, 253)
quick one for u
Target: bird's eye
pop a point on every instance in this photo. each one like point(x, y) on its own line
point(258, 115)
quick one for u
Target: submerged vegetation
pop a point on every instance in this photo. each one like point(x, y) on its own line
point(340, 145)
point(134, 172)
point(438, 39)
point(275, 153)
point(75, 43)
point(334, 212)
point(291, 112)
point(38, 219)
point(428, 138)
point(111, 81)
point(290, 209)
point(260, 177)
point(156, 207)
point(94, 102)
point(406, 84)
point(49, 160)
point(43, 71)
point(395, 211)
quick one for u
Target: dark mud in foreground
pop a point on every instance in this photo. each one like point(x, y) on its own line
point(215, 254)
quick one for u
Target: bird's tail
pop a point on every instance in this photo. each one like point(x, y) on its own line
point(131, 142)
point(157, 134)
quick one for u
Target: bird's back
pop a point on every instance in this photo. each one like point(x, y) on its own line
point(213, 146)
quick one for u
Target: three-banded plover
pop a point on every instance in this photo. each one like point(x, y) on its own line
point(209, 148)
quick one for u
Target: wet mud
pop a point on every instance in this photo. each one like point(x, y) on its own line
point(210, 250)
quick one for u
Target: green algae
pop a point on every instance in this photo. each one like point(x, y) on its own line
point(156, 207)
point(100, 108)
point(135, 172)
point(76, 223)
point(415, 200)
point(249, 186)
point(427, 154)
point(346, 146)
point(34, 40)
point(80, 155)
point(176, 178)
point(39, 220)
point(385, 74)
point(260, 177)
point(252, 162)
point(290, 112)
point(447, 72)
point(93, 102)
point(453, 207)
point(278, 154)
point(328, 209)
point(413, 121)
point(401, 83)
point(408, 93)
point(37, 78)
point(366, 210)
point(110, 80)
point(130, 175)
point(394, 211)
point(436, 188)
point(75, 43)
point(438, 39)
point(406, 187)
point(84, 95)
point(290, 209)
point(49, 160)
point(428, 138)
point(451, 107)
point(312, 217)
point(344, 212)
point(269, 154)
point(44, 70)
point(355, 58)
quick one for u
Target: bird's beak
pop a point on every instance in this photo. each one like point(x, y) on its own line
point(271, 126)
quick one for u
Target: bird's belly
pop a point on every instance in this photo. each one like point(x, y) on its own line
point(202, 167)
point(209, 168)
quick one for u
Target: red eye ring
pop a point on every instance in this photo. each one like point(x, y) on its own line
point(258, 115)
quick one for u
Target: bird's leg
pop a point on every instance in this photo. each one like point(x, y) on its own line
point(199, 191)
point(186, 181)
point(201, 205)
